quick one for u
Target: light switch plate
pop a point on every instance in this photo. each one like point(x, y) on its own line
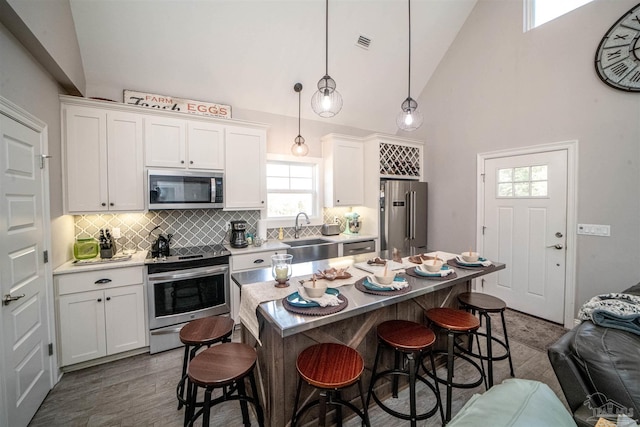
point(594, 230)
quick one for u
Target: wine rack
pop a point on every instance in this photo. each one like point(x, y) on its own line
point(400, 160)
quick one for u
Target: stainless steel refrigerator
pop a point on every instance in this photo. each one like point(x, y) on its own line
point(403, 215)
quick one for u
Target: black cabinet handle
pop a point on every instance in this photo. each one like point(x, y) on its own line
point(102, 281)
point(258, 261)
point(191, 162)
point(182, 161)
point(103, 204)
point(108, 298)
point(110, 204)
point(99, 299)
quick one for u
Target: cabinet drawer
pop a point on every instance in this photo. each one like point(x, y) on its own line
point(356, 248)
point(254, 260)
point(99, 279)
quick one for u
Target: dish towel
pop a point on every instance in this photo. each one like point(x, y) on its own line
point(324, 301)
point(485, 263)
point(396, 284)
point(441, 273)
point(618, 311)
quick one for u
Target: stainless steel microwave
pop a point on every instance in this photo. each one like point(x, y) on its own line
point(177, 189)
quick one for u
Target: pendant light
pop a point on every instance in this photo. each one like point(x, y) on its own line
point(299, 148)
point(410, 118)
point(327, 101)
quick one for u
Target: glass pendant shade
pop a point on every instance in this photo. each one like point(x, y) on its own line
point(410, 118)
point(326, 102)
point(299, 148)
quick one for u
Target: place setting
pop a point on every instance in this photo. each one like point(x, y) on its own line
point(430, 267)
point(386, 283)
point(315, 298)
point(471, 261)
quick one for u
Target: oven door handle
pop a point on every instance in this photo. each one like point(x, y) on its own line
point(188, 275)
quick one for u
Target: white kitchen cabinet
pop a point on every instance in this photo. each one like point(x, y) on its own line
point(246, 262)
point(100, 313)
point(190, 144)
point(103, 160)
point(165, 142)
point(344, 170)
point(205, 142)
point(245, 168)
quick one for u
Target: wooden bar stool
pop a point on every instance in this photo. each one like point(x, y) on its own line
point(411, 340)
point(329, 367)
point(197, 334)
point(220, 366)
point(455, 323)
point(486, 304)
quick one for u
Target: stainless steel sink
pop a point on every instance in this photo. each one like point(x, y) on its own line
point(312, 250)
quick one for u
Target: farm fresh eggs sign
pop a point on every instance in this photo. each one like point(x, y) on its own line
point(170, 103)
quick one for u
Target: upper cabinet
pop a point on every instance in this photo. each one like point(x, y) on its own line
point(103, 160)
point(179, 143)
point(245, 172)
point(107, 146)
point(344, 170)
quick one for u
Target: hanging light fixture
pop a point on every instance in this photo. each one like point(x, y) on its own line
point(410, 118)
point(327, 101)
point(299, 148)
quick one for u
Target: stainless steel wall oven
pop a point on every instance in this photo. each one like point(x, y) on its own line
point(189, 284)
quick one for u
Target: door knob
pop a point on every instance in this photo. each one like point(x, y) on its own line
point(557, 246)
point(6, 300)
point(558, 234)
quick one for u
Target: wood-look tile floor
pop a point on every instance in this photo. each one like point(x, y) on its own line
point(141, 391)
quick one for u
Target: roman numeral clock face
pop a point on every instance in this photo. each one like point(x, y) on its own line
point(618, 56)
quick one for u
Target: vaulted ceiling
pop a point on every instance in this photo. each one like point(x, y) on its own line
point(250, 53)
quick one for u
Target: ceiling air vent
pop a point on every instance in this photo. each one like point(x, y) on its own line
point(363, 41)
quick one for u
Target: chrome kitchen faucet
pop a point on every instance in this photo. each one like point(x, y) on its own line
point(299, 226)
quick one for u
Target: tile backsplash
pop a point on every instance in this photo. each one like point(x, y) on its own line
point(189, 227)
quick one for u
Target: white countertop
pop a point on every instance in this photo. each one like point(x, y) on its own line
point(136, 259)
point(274, 244)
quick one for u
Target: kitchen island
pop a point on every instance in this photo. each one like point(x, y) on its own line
point(283, 335)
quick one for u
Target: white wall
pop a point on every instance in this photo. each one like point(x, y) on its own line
point(24, 82)
point(498, 88)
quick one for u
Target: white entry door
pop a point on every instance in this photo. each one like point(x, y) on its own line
point(525, 220)
point(25, 372)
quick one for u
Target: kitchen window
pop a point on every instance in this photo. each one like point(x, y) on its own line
point(292, 187)
point(538, 12)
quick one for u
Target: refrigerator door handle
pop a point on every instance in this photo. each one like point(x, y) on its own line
point(407, 222)
point(413, 215)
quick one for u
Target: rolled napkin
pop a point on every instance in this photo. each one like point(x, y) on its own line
point(398, 283)
point(324, 301)
point(441, 273)
point(485, 263)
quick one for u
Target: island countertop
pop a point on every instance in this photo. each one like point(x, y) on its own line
point(287, 323)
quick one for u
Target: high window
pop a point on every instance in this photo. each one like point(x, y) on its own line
point(292, 187)
point(538, 12)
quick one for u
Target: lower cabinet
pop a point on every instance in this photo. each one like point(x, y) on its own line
point(94, 323)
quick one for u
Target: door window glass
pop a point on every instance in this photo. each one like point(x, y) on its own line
point(522, 182)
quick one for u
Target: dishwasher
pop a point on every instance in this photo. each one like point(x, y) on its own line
point(356, 248)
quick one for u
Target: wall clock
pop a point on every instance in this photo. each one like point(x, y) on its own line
point(618, 55)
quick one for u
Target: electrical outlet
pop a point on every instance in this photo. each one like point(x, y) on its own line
point(115, 232)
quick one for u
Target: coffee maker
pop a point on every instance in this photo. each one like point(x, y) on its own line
point(238, 237)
